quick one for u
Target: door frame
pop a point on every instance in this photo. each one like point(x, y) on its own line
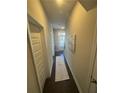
point(33, 22)
point(92, 56)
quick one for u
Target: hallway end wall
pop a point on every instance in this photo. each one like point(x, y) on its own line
point(56, 39)
point(82, 23)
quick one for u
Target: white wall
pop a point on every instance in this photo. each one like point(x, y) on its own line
point(82, 23)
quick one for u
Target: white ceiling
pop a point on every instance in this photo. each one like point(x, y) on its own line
point(58, 15)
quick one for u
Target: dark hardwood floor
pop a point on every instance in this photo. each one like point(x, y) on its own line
point(66, 86)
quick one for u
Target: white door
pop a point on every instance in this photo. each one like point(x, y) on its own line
point(37, 41)
point(93, 81)
point(37, 50)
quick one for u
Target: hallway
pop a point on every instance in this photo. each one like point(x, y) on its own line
point(62, 46)
point(66, 86)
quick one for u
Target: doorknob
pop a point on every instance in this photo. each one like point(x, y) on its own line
point(93, 81)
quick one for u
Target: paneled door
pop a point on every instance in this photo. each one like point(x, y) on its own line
point(37, 41)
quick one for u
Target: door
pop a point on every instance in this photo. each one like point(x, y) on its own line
point(39, 58)
point(32, 81)
point(37, 40)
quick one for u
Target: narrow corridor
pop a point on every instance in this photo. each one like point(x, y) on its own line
point(67, 28)
point(66, 86)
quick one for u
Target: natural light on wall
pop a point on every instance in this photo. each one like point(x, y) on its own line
point(59, 2)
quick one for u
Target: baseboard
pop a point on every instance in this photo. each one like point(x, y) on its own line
point(77, 84)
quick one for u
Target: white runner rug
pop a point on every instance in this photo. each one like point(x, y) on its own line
point(61, 71)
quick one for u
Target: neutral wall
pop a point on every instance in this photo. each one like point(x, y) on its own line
point(82, 23)
point(36, 10)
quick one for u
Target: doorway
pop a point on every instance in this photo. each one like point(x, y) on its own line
point(59, 40)
point(38, 51)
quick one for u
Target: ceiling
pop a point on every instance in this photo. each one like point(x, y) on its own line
point(58, 13)
point(59, 10)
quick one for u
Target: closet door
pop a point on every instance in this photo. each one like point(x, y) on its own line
point(38, 47)
point(39, 57)
point(32, 81)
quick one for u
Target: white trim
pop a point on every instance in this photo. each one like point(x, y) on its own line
point(92, 56)
point(51, 68)
point(75, 79)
